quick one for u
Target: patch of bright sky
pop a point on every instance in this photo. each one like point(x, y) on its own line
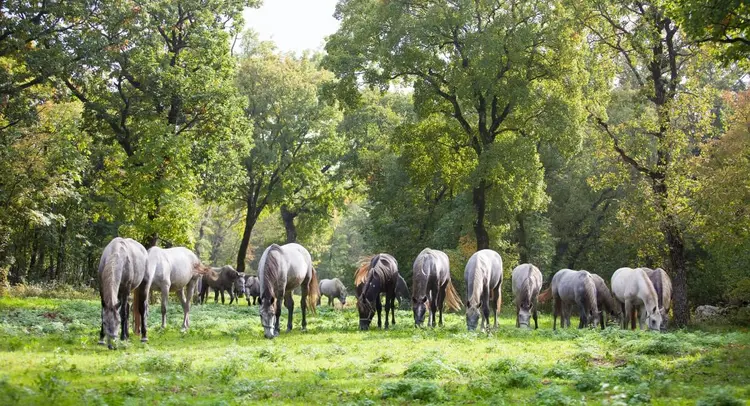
point(294, 25)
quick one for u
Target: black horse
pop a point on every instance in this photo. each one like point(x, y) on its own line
point(379, 275)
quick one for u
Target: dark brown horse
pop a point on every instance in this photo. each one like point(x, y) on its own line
point(379, 275)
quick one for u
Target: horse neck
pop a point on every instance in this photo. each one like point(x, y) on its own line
point(476, 282)
point(646, 292)
point(658, 287)
point(526, 290)
point(420, 278)
point(590, 292)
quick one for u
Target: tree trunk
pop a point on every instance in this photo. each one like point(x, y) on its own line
point(60, 274)
point(288, 218)
point(677, 262)
point(250, 219)
point(483, 238)
point(523, 248)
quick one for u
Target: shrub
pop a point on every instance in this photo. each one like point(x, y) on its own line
point(563, 371)
point(588, 382)
point(719, 397)
point(412, 390)
point(629, 375)
point(521, 379)
point(740, 295)
point(552, 396)
point(502, 365)
point(427, 368)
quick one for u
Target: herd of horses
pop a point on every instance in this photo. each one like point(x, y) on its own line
point(126, 267)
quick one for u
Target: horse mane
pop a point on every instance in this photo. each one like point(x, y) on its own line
point(109, 278)
point(667, 293)
point(361, 273)
point(474, 298)
point(270, 271)
point(526, 291)
point(338, 284)
point(650, 287)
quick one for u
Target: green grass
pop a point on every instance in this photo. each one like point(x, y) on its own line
point(49, 354)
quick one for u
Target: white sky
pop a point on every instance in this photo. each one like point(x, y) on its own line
point(294, 25)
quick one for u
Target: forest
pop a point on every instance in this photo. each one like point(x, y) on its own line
point(585, 135)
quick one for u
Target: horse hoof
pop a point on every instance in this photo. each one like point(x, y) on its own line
point(144, 339)
point(111, 347)
point(101, 342)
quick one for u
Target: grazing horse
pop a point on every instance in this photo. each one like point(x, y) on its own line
point(635, 293)
point(663, 286)
point(252, 288)
point(402, 290)
point(484, 278)
point(239, 288)
point(175, 270)
point(280, 271)
point(379, 275)
point(526, 281)
point(332, 288)
point(604, 301)
point(220, 280)
point(431, 281)
point(570, 288)
point(122, 268)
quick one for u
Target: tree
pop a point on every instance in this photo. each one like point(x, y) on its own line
point(155, 82)
point(295, 144)
point(726, 22)
point(656, 117)
point(507, 74)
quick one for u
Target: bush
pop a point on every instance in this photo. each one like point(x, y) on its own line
point(740, 295)
point(629, 375)
point(521, 379)
point(562, 371)
point(588, 382)
point(427, 368)
point(552, 396)
point(720, 397)
point(412, 390)
point(53, 290)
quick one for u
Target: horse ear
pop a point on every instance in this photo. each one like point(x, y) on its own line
point(424, 299)
point(654, 311)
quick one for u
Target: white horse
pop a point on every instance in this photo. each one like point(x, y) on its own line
point(174, 270)
point(122, 268)
point(526, 281)
point(663, 286)
point(280, 271)
point(634, 291)
point(484, 278)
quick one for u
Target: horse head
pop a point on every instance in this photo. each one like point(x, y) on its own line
point(419, 307)
point(472, 316)
point(342, 296)
point(268, 315)
point(367, 301)
point(111, 323)
point(239, 285)
point(653, 318)
point(524, 315)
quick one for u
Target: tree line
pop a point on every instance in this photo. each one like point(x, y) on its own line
point(586, 135)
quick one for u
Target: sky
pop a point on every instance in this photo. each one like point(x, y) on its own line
point(294, 25)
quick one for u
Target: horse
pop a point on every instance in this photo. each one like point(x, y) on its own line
point(402, 290)
point(220, 280)
point(331, 288)
point(604, 301)
point(379, 275)
point(663, 286)
point(252, 288)
point(280, 271)
point(526, 281)
point(239, 288)
point(431, 281)
point(571, 287)
point(634, 293)
point(122, 268)
point(484, 278)
point(175, 270)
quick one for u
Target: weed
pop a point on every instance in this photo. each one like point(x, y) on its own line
point(629, 375)
point(9, 393)
point(502, 366)
point(412, 390)
point(552, 396)
point(590, 381)
point(50, 385)
point(563, 371)
point(719, 397)
point(520, 379)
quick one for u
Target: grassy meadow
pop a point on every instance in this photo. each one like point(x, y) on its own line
point(49, 355)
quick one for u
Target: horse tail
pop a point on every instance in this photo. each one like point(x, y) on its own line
point(590, 287)
point(313, 290)
point(499, 299)
point(137, 311)
point(361, 273)
point(451, 297)
point(545, 295)
point(200, 269)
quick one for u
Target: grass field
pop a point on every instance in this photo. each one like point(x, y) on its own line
point(49, 355)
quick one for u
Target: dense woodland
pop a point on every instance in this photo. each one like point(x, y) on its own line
point(585, 135)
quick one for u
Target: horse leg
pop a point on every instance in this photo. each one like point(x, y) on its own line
point(164, 299)
point(124, 307)
point(582, 315)
point(379, 308)
point(393, 309)
point(518, 310)
point(142, 312)
point(289, 303)
point(185, 308)
point(303, 304)
point(441, 302)
point(278, 319)
point(387, 309)
point(494, 311)
point(641, 316)
point(536, 324)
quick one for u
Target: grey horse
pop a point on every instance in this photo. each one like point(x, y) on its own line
point(252, 288)
point(484, 278)
point(570, 288)
point(332, 288)
point(663, 286)
point(122, 268)
point(526, 280)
